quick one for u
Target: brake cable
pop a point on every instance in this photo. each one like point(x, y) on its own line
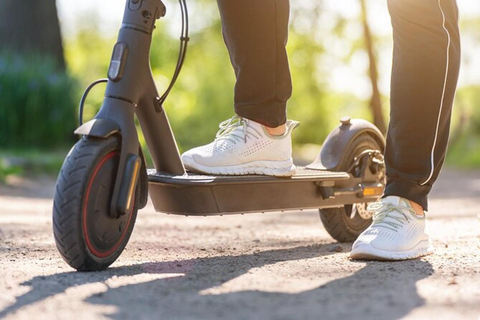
point(84, 97)
point(182, 51)
point(181, 59)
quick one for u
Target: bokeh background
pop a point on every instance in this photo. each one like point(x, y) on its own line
point(340, 56)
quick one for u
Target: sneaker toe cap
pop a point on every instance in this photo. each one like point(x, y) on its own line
point(189, 160)
point(376, 239)
point(366, 237)
point(194, 155)
point(196, 160)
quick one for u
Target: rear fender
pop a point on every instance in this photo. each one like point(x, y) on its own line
point(338, 141)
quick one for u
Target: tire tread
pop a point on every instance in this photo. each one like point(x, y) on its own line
point(69, 192)
point(335, 220)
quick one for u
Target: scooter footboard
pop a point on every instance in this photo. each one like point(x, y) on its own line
point(203, 195)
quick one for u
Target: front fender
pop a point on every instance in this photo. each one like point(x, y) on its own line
point(104, 128)
point(338, 141)
point(98, 128)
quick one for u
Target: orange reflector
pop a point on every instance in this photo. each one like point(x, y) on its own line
point(372, 191)
point(132, 183)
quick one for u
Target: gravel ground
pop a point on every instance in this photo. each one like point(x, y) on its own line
point(259, 266)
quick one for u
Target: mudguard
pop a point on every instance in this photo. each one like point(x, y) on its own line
point(104, 128)
point(338, 142)
point(98, 128)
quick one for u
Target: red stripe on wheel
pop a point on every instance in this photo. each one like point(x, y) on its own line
point(90, 247)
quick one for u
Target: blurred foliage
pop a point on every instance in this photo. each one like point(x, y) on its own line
point(307, 104)
point(7, 169)
point(88, 57)
point(203, 94)
point(464, 144)
point(32, 161)
point(37, 103)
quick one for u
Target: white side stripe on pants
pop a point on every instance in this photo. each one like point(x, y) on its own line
point(443, 96)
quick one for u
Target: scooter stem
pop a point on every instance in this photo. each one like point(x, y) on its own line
point(137, 86)
point(131, 90)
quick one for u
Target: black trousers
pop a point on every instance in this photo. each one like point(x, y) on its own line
point(426, 60)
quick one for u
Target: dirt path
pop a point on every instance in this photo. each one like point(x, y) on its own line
point(271, 266)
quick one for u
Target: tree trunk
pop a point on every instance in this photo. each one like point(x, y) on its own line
point(375, 101)
point(31, 26)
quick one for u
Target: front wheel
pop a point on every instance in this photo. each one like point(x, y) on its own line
point(87, 237)
point(346, 223)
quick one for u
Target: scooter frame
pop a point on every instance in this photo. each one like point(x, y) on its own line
point(131, 90)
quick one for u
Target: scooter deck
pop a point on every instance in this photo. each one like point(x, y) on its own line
point(196, 194)
point(301, 173)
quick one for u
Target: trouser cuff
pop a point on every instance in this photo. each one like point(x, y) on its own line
point(408, 190)
point(270, 114)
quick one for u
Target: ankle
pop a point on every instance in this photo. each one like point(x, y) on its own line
point(277, 131)
point(418, 208)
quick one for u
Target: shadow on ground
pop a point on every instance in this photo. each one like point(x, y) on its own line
point(365, 294)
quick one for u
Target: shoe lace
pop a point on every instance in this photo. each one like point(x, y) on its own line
point(384, 215)
point(228, 130)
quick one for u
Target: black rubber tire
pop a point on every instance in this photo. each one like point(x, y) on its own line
point(338, 221)
point(86, 236)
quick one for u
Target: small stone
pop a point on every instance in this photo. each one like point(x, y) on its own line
point(337, 248)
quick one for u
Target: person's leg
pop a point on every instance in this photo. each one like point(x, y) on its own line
point(258, 139)
point(255, 32)
point(426, 62)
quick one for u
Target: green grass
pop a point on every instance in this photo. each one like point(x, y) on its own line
point(8, 170)
point(33, 162)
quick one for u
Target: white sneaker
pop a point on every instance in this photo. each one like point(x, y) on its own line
point(396, 233)
point(244, 147)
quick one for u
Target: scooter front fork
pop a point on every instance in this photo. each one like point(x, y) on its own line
point(116, 117)
point(131, 90)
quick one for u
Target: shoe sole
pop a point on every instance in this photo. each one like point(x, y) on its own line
point(367, 252)
point(269, 168)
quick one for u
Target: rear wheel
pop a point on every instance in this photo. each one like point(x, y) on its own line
point(346, 223)
point(88, 238)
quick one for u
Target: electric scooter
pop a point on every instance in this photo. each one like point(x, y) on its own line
point(104, 180)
